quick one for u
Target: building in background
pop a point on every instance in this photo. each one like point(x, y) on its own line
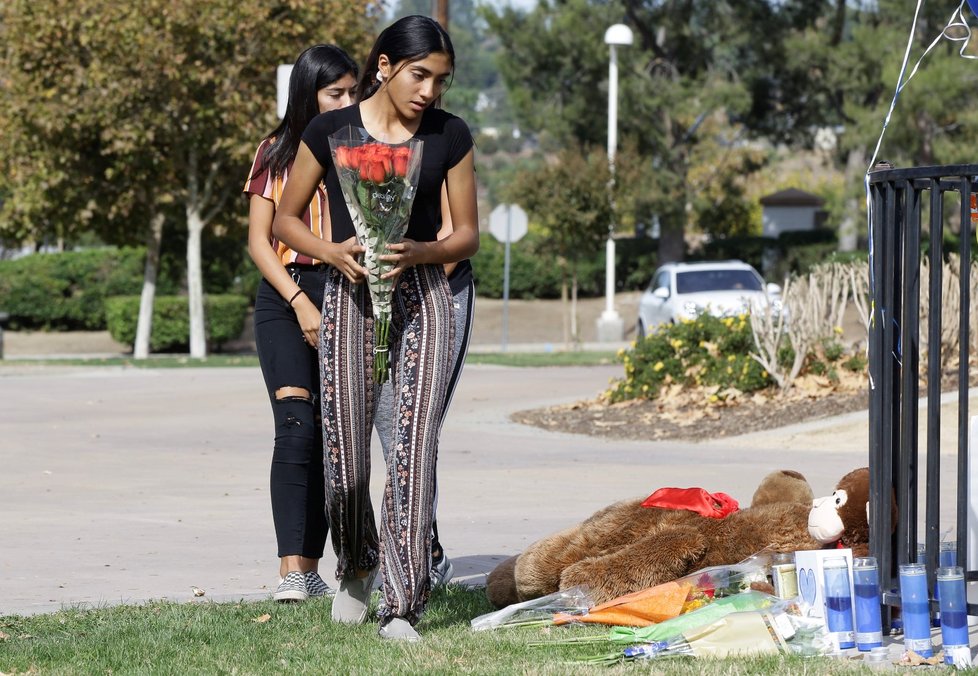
point(791, 210)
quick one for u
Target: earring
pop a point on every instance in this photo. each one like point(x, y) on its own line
point(380, 76)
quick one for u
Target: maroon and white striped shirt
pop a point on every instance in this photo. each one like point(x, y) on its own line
point(260, 182)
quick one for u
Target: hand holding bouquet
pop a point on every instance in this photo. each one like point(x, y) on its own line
point(379, 182)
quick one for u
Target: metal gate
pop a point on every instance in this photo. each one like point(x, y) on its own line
point(897, 197)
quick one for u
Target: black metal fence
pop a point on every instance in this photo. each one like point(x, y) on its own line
point(897, 197)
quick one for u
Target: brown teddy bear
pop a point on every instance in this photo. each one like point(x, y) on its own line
point(625, 547)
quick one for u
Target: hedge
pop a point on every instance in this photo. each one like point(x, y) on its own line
point(224, 317)
point(66, 291)
point(793, 252)
point(529, 276)
point(533, 272)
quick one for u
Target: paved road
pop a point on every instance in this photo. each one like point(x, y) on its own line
point(120, 485)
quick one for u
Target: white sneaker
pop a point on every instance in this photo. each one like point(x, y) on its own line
point(442, 571)
point(399, 629)
point(353, 598)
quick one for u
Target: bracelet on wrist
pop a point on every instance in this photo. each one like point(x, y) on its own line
point(295, 295)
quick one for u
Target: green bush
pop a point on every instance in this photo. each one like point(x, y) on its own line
point(224, 318)
point(707, 351)
point(534, 274)
point(793, 252)
point(751, 250)
point(636, 259)
point(530, 275)
point(66, 291)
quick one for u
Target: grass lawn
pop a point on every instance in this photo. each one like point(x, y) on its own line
point(580, 358)
point(236, 638)
point(525, 359)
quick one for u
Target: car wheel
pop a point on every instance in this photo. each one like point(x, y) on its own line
point(640, 330)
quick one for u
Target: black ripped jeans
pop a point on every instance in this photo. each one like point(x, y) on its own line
point(287, 361)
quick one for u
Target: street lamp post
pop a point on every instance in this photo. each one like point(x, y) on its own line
point(610, 325)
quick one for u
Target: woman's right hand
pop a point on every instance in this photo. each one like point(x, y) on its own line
point(345, 257)
point(309, 319)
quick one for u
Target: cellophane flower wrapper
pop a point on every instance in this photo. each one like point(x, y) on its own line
point(637, 609)
point(706, 586)
point(670, 629)
point(379, 182)
point(667, 633)
point(536, 612)
point(717, 582)
point(778, 628)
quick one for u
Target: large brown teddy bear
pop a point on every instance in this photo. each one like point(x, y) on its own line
point(625, 547)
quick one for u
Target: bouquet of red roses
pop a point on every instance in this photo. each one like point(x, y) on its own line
point(379, 182)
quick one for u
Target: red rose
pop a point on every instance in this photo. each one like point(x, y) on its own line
point(375, 162)
point(400, 161)
point(373, 171)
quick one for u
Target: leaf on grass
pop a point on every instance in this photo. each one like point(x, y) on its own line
point(4, 637)
point(915, 660)
point(198, 591)
point(262, 619)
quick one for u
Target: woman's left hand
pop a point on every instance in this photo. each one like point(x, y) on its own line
point(405, 254)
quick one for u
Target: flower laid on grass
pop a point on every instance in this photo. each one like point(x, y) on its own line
point(637, 609)
point(379, 182)
point(536, 612)
point(653, 639)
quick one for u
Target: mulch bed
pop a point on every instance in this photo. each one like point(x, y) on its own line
point(685, 415)
point(644, 420)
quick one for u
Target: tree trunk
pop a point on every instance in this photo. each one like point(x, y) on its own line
point(672, 223)
point(849, 227)
point(563, 304)
point(144, 326)
point(574, 333)
point(672, 242)
point(440, 11)
point(195, 284)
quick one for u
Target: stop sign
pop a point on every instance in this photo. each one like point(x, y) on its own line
point(507, 217)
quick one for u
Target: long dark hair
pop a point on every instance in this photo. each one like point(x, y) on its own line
point(409, 39)
point(317, 67)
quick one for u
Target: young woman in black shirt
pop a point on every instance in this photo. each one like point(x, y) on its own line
point(407, 70)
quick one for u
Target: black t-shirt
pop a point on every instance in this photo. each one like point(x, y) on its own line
point(460, 277)
point(446, 141)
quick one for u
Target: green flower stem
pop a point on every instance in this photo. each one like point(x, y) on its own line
point(382, 349)
point(382, 292)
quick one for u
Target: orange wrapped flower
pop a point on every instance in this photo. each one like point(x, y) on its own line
point(639, 609)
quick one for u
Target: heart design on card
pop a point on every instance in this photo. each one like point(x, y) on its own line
point(806, 585)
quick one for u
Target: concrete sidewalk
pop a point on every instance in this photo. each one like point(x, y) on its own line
point(120, 485)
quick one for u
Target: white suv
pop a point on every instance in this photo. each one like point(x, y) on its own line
point(681, 291)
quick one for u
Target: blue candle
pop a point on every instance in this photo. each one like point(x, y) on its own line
point(915, 603)
point(949, 554)
point(838, 602)
point(935, 620)
point(954, 616)
point(869, 625)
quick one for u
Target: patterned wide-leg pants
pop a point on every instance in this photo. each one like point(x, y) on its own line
point(422, 325)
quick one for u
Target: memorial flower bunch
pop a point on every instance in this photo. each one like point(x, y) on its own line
point(379, 182)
